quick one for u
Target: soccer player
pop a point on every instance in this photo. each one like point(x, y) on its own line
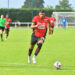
point(64, 21)
point(2, 26)
point(52, 21)
point(7, 26)
point(39, 26)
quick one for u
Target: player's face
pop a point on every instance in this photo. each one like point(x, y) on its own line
point(52, 15)
point(7, 16)
point(2, 16)
point(42, 15)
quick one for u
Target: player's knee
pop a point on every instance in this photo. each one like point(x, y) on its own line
point(7, 34)
point(41, 42)
point(1, 31)
point(31, 46)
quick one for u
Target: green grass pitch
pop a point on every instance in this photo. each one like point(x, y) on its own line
point(59, 47)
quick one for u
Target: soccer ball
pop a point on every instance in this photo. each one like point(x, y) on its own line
point(57, 65)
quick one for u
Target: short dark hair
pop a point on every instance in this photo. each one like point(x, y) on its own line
point(41, 11)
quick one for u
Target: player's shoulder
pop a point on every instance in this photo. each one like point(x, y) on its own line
point(5, 18)
point(52, 18)
point(48, 18)
point(9, 18)
point(36, 17)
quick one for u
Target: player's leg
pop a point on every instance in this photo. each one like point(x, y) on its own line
point(52, 29)
point(33, 42)
point(1, 33)
point(30, 52)
point(39, 44)
point(7, 33)
point(63, 26)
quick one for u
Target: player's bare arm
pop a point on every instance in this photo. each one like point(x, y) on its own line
point(33, 26)
point(6, 23)
point(49, 25)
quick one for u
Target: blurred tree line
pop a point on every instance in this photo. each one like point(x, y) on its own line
point(33, 4)
point(63, 4)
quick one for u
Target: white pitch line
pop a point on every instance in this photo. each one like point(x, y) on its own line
point(32, 65)
point(20, 64)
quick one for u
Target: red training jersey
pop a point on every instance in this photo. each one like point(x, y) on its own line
point(9, 21)
point(40, 31)
point(52, 21)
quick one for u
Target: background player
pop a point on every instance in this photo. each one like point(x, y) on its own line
point(52, 21)
point(64, 21)
point(39, 26)
point(7, 26)
point(2, 26)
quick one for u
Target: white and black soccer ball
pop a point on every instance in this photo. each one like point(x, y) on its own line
point(57, 65)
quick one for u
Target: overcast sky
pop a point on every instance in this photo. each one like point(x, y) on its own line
point(19, 3)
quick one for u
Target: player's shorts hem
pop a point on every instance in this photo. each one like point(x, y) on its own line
point(35, 39)
point(2, 28)
point(52, 26)
point(7, 30)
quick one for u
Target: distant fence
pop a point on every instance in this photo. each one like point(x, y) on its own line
point(21, 24)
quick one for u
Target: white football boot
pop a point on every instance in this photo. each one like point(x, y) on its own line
point(29, 59)
point(34, 59)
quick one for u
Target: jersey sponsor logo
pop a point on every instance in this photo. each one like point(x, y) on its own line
point(41, 26)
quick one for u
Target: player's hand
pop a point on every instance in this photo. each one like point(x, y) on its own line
point(50, 33)
point(7, 22)
point(38, 25)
